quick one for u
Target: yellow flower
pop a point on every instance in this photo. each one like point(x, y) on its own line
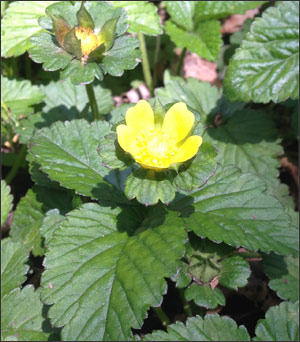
point(158, 146)
point(89, 40)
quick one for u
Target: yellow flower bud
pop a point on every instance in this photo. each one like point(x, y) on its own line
point(89, 40)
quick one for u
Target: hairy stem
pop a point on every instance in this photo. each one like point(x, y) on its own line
point(162, 316)
point(18, 162)
point(92, 99)
point(145, 63)
point(180, 62)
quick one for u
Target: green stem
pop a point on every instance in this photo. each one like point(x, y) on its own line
point(18, 162)
point(162, 316)
point(186, 305)
point(92, 99)
point(180, 62)
point(145, 63)
point(156, 53)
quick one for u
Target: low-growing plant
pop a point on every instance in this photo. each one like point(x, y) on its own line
point(141, 220)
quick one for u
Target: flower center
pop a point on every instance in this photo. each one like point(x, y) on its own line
point(89, 41)
point(155, 149)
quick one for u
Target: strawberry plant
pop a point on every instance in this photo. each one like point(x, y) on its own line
point(138, 204)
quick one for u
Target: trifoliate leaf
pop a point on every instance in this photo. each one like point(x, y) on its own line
point(201, 96)
point(266, 66)
point(148, 186)
point(19, 96)
point(182, 13)
point(142, 16)
point(205, 40)
point(13, 268)
point(248, 140)
point(21, 324)
point(207, 265)
point(6, 201)
point(205, 296)
point(209, 328)
point(20, 22)
point(30, 213)
point(219, 9)
point(94, 255)
point(281, 323)
point(235, 208)
point(283, 273)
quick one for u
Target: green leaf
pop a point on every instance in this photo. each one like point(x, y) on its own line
point(84, 18)
point(209, 328)
point(45, 50)
point(108, 32)
point(182, 13)
point(220, 9)
point(201, 96)
point(112, 154)
point(142, 16)
point(13, 268)
point(266, 66)
point(205, 40)
point(235, 208)
point(118, 113)
point(102, 11)
point(125, 272)
point(67, 152)
point(82, 74)
point(281, 323)
point(64, 101)
point(122, 56)
point(248, 140)
point(205, 296)
point(19, 96)
point(21, 324)
point(30, 213)
point(65, 9)
point(235, 272)
point(148, 186)
point(6, 201)
point(50, 223)
point(20, 22)
point(195, 173)
point(283, 273)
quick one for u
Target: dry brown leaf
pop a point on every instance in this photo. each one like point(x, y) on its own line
point(203, 70)
point(235, 22)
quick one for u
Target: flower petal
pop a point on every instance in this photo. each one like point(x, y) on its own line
point(188, 149)
point(140, 116)
point(178, 121)
point(126, 138)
